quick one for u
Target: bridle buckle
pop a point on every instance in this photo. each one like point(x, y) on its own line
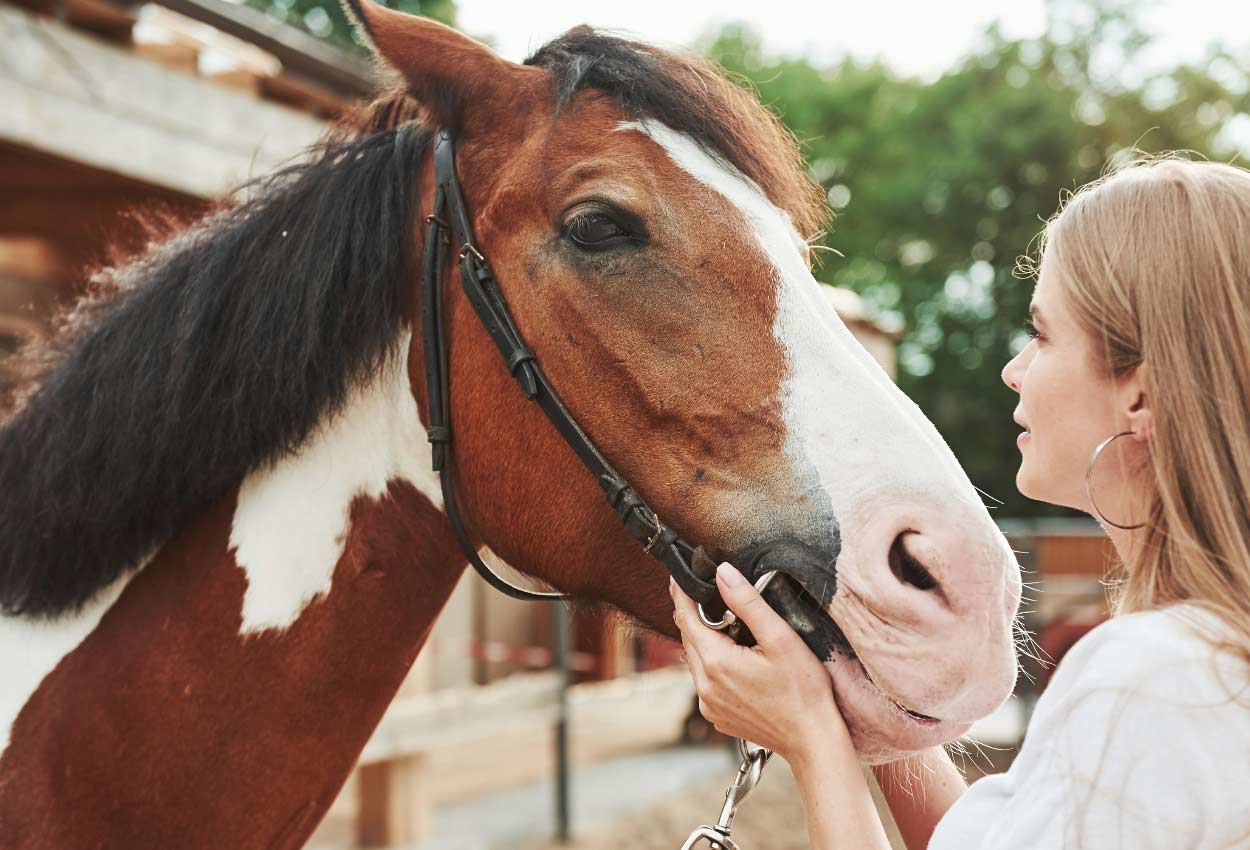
point(467, 248)
point(659, 530)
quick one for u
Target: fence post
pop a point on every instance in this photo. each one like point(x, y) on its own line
point(560, 619)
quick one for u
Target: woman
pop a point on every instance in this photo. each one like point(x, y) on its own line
point(1135, 400)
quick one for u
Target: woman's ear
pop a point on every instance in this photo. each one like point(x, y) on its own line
point(450, 74)
point(1136, 404)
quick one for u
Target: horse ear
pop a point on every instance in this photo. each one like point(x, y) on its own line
point(444, 69)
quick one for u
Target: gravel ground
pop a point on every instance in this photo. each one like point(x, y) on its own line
point(770, 819)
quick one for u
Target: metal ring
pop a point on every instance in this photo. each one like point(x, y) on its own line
point(764, 580)
point(1089, 482)
point(730, 617)
point(750, 750)
point(719, 625)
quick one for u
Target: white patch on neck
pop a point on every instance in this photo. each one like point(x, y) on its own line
point(30, 649)
point(289, 528)
point(843, 414)
point(291, 522)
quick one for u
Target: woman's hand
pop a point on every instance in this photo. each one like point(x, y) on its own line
point(777, 693)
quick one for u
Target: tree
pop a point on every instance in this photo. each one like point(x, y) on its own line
point(325, 18)
point(941, 185)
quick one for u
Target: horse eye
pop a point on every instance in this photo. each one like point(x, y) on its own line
point(596, 231)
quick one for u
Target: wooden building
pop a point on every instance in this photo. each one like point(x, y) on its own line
point(109, 109)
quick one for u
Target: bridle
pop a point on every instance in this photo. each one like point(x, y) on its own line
point(640, 521)
point(482, 289)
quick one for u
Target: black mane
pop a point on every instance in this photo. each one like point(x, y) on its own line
point(215, 354)
point(643, 83)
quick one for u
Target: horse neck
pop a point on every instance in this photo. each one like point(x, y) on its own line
point(255, 652)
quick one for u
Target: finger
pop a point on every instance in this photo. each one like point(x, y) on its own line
point(684, 614)
point(744, 600)
point(697, 671)
point(687, 622)
point(696, 637)
point(706, 711)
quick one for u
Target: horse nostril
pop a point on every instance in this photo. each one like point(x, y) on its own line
point(906, 568)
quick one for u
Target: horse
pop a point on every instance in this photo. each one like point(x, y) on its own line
point(224, 543)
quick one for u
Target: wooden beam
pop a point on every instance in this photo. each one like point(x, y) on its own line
point(101, 17)
point(75, 97)
point(301, 54)
point(445, 718)
point(296, 91)
point(64, 215)
point(394, 803)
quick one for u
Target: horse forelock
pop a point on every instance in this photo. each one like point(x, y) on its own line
point(693, 96)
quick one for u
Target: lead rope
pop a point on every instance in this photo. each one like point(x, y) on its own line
point(754, 757)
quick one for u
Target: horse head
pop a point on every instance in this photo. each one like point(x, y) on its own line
point(649, 223)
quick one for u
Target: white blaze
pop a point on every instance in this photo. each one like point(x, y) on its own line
point(844, 417)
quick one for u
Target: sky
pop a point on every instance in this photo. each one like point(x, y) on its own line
point(915, 37)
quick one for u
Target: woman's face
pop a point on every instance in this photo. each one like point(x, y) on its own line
point(1067, 404)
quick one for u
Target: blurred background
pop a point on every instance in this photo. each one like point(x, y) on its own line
point(944, 135)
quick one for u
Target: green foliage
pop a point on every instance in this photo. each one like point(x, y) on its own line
point(325, 18)
point(941, 184)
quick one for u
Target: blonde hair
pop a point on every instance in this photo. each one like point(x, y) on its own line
point(1155, 260)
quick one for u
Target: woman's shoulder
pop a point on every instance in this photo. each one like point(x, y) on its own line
point(1140, 740)
point(1154, 649)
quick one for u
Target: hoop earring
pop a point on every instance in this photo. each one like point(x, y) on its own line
point(1089, 483)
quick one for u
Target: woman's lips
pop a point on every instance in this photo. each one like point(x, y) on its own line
point(1025, 437)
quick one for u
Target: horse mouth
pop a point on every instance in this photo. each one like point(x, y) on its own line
point(803, 611)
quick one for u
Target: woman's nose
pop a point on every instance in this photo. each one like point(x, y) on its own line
point(1007, 379)
point(1011, 372)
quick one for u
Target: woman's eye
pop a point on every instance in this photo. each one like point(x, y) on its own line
point(596, 230)
point(1033, 332)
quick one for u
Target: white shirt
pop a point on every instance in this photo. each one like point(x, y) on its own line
point(1135, 743)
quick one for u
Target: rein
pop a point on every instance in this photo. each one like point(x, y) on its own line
point(482, 289)
point(640, 521)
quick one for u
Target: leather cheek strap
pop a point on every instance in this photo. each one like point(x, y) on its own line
point(483, 293)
